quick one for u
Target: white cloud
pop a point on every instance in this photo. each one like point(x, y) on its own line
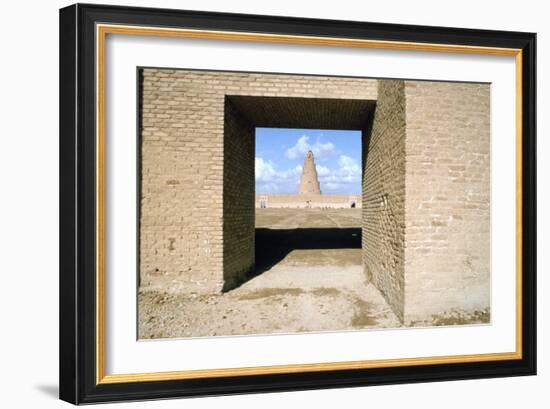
point(330, 186)
point(271, 180)
point(349, 168)
point(264, 169)
point(323, 170)
point(302, 146)
point(344, 179)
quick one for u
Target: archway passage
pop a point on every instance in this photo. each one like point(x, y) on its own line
point(425, 221)
point(299, 226)
point(243, 114)
point(197, 166)
point(382, 123)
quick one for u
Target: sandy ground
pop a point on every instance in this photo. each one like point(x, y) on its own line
point(308, 278)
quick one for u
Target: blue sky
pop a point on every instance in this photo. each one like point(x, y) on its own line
point(280, 154)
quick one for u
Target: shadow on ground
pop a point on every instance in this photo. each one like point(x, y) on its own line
point(273, 245)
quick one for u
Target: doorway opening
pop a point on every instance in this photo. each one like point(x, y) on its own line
point(247, 116)
point(310, 178)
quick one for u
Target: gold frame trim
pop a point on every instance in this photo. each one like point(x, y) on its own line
point(101, 32)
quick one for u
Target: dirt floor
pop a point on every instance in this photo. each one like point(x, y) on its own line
point(308, 278)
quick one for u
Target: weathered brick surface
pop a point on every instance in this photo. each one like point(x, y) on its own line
point(447, 200)
point(425, 183)
point(384, 195)
point(238, 197)
point(197, 209)
point(181, 182)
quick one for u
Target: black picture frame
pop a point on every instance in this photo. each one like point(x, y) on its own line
point(78, 356)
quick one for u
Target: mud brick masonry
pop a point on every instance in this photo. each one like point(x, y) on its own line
point(309, 182)
point(426, 179)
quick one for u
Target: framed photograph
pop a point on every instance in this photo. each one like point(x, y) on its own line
point(256, 203)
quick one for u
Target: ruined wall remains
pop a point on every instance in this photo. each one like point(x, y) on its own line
point(309, 201)
point(188, 190)
point(426, 181)
point(384, 195)
point(447, 236)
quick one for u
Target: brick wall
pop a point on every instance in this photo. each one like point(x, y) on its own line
point(238, 197)
point(425, 183)
point(181, 183)
point(447, 201)
point(384, 195)
point(187, 190)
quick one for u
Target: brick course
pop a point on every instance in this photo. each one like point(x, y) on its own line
point(425, 183)
point(186, 232)
point(238, 197)
point(447, 238)
point(384, 195)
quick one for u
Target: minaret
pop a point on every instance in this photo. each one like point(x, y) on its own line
point(309, 182)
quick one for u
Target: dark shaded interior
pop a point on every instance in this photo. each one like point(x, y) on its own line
point(273, 245)
point(313, 113)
